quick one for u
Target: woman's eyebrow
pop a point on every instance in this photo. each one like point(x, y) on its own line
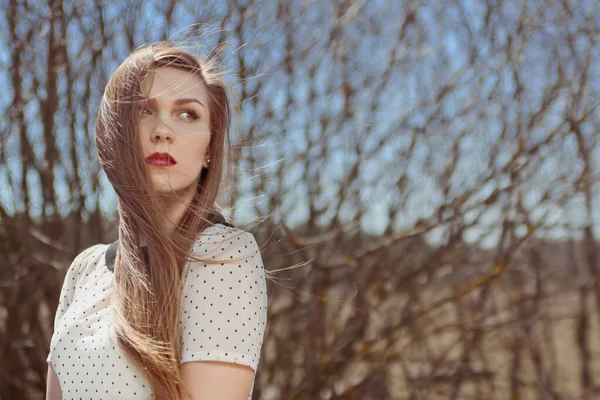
point(152, 101)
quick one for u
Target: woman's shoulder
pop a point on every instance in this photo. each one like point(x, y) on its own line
point(225, 257)
point(83, 263)
point(220, 229)
point(220, 234)
point(92, 257)
point(224, 303)
point(88, 254)
point(223, 243)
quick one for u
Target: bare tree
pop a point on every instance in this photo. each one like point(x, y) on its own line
point(431, 167)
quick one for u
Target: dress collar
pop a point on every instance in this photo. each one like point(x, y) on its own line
point(111, 254)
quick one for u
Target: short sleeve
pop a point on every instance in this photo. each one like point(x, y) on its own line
point(69, 286)
point(224, 305)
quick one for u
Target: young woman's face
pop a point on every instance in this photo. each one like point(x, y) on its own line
point(175, 121)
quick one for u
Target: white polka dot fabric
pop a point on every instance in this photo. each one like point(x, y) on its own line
point(223, 317)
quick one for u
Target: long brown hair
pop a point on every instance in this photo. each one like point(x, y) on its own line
point(147, 311)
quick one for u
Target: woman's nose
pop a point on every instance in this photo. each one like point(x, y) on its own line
point(162, 132)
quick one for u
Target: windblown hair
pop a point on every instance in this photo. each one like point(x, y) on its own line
point(147, 298)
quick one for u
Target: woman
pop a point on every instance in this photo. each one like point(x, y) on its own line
point(177, 307)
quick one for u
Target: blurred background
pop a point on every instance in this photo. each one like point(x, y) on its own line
point(429, 169)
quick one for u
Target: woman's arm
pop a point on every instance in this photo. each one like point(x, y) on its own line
point(224, 318)
point(53, 391)
point(209, 380)
point(67, 293)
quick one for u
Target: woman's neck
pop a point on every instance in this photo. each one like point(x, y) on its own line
point(173, 206)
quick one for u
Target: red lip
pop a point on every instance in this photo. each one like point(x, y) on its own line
point(160, 160)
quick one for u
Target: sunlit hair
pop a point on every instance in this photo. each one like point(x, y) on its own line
point(147, 297)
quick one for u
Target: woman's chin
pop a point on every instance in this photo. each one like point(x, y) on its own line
point(164, 188)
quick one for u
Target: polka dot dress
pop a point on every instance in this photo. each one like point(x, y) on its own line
point(223, 317)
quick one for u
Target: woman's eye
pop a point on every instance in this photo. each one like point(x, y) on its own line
point(192, 114)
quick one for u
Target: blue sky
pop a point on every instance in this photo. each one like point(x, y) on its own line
point(429, 65)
